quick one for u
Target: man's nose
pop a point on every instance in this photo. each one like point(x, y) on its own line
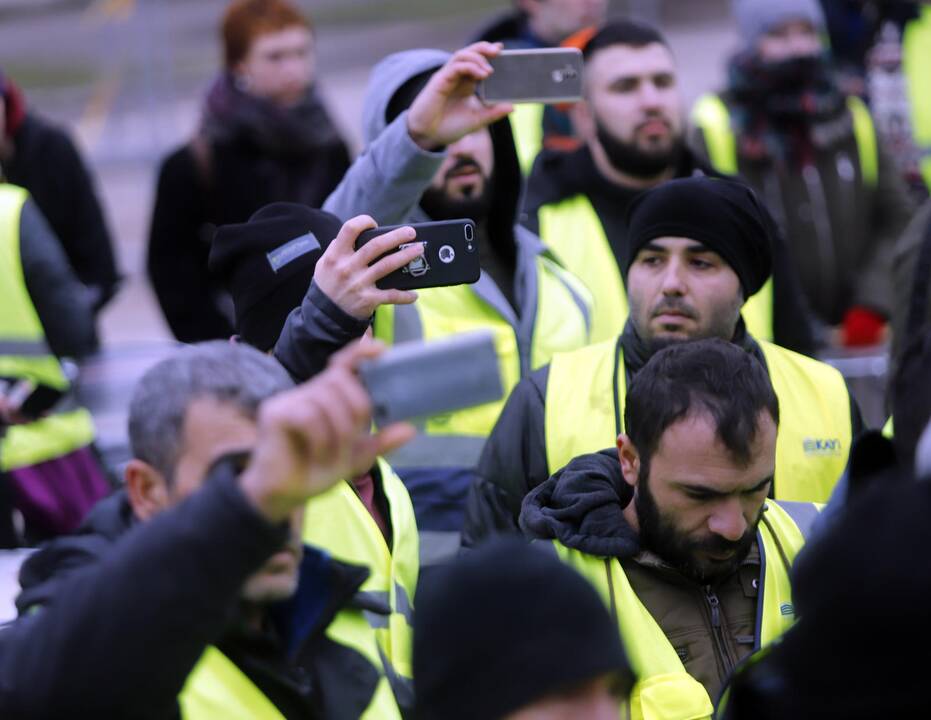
point(673, 280)
point(728, 521)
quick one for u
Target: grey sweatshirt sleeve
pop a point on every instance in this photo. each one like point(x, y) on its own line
point(64, 305)
point(387, 179)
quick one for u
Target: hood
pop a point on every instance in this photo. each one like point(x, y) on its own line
point(582, 507)
point(44, 570)
point(390, 75)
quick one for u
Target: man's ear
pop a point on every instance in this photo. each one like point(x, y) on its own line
point(583, 122)
point(630, 460)
point(147, 489)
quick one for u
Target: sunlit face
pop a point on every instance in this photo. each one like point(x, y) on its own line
point(697, 507)
point(678, 290)
point(279, 65)
point(555, 20)
point(633, 100)
point(213, 429)
point(598, 699)
point(794, 39)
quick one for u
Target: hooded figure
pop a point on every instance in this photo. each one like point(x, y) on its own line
point(532, 305)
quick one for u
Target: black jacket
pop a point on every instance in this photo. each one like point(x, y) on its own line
point(46, 163)
point(514, 461)
point(113, 618)
point(199, 189)
point(557, 176)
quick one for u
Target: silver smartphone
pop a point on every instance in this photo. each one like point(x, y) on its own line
point(415, 380)
point(548, 75)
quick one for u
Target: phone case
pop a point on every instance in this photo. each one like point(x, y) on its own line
point(549, 75)
point(450, 256)
point(416, 380)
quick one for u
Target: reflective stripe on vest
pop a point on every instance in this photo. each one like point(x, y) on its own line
point(573, 231)
point(527, 129)
point(217, 688)
point(378, 624)
point(554, 320)
point(813, 441)
point(665, 691)
point(711, 116)
point(916, 61)
point(24, 354)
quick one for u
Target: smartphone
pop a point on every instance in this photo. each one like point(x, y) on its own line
point(548, 75)
point(29, 399)
point(450, 255)
point(415, 380)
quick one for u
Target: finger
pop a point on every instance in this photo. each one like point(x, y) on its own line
point(355, 353)
point(473, 57)
point(374, 249)
point(394, 296)
point(353, 396)
point(390, 263)
point(391, 437)
point(493, 113)
point(348, 234)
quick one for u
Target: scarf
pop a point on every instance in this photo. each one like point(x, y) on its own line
point(785, 110)
point(233, 115)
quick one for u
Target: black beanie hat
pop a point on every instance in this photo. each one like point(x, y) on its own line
point(267, 264)
point(724, 215)
point(505, 626)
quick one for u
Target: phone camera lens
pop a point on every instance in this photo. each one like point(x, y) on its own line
point(469, 233)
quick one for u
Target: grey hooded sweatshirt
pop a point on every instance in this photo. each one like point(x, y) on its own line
point(387, 181)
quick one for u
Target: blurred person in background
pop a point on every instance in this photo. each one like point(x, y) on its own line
point(49, 469)
point(265, 136)
point(548, 648)
point(631, 121)
point(189, 592)
point(537, 24)
point(41, 158)
point(814, 156)
point(435, 152)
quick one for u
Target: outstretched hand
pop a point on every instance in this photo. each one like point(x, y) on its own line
point(313, 436)
point(447, 109)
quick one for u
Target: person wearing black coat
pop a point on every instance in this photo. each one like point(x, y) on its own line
point(265, 137)
point(42, 159)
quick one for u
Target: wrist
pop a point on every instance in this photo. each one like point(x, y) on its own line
point(422, 138)
point(271, 505)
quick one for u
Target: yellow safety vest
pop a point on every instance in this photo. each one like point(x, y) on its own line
point(585, 411)
point(379, 624)
point(527, 129)
point(665, 691)
point(573, 231)
point(24, 354)
point(558, 323)
point(217, 688)
point(916, 61)
point(712, 117)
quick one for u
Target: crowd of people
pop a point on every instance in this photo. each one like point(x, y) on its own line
point(675, 511)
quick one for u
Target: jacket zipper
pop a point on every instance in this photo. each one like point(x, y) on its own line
point(722, 652)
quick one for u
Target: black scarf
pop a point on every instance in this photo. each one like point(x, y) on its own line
point(233, 115)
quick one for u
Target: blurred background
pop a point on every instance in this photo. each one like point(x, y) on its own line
point(127, 78)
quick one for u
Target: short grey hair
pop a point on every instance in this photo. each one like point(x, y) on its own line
point(227, 372)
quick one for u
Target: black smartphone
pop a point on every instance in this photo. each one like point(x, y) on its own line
point(546, 75)
point(415, 380)
point(29, 399)
point(450, 255)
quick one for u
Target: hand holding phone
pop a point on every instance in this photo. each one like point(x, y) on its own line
point(449, 254)
point(546, 75)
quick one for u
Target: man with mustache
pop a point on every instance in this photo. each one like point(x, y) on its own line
point(435, 152)
point(675, 528)
point(188, 593)
point(697, 248)
point(631, 121)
